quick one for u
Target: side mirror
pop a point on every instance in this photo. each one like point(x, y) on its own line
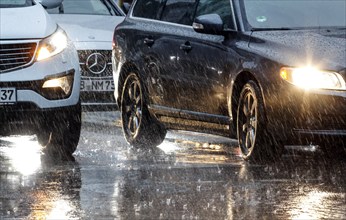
point(49, 4)
point(208, 24)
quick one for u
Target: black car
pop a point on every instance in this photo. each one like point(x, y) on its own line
point(270, 73)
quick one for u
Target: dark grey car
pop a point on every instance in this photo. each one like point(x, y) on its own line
point(269, 73)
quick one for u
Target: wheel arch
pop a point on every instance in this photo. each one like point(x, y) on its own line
point(132, 67)
point(236, 86)
point(126, 68)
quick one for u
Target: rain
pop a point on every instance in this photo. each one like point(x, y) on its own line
point(191, 113)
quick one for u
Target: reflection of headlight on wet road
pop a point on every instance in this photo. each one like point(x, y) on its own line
point(24, 154)
point(168, 147)
point(60, 210)
point(310, 202)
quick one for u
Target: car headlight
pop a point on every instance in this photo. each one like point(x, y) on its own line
point(65, 83)
point(312, 78)
point(52, 45)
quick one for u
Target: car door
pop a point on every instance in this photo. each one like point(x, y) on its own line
point(162, 57)
point(155, 48)
point(205, 62)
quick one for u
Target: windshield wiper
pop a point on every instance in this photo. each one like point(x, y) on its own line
point(273, 29)
point(108, 7)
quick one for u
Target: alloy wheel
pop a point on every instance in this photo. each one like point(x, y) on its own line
point(248, 122)
point(132, 107)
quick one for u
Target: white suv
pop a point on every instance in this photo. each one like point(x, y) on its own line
point(39, 76)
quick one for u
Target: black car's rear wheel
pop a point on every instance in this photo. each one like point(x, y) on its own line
point(255, 142)
point(139, 126)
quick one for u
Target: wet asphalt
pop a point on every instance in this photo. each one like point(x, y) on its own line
point(189, 176)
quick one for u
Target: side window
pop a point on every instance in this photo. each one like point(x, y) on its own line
point(147, 9)
point(179, 11)
point(220, 7)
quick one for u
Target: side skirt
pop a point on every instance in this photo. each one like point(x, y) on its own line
point(193, 121)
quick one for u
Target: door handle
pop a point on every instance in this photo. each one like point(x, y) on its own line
point(148, 41)
point(186, 47)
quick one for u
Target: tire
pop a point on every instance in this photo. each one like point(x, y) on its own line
point(140, 128)
point(62, 135)
point(256, 144)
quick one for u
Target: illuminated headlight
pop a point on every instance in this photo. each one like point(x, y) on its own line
point(64, 83)
point(52, 45)
point(312, 78)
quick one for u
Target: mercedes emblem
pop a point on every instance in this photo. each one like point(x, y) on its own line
point(96, 63)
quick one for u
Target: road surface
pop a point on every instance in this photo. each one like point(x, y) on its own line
point(189, 176)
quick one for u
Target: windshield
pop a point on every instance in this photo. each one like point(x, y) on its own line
point(295, 14)
point(15, 3)
point(95, 7)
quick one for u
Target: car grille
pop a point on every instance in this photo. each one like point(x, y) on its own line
point(95, 63)
point(13, 56)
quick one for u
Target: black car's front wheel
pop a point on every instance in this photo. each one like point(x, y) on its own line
point(255, 142)
point(139, 126)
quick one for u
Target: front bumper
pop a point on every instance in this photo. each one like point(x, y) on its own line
point(306, 116)
point(98, 101)
point(36, 104)
point(27, 118)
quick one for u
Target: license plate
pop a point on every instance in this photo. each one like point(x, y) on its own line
point(8, 96)
point(97, 85)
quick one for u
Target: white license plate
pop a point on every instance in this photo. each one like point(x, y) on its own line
point(8, 96)
point(97, 85)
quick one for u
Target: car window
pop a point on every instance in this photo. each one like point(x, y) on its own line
point(15, 3)
point(95, 7)
point(179, 11)
point(220, 7)
point(295, 14)
point(147, 9)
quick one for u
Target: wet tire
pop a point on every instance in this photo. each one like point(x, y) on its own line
point(256, 144)
point(140, 128)
point(61, 135)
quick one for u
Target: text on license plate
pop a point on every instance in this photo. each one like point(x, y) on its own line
point(8, 95)
point(97, 85)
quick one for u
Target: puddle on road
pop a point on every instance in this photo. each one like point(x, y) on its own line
point(182, 179)
point(194, 152)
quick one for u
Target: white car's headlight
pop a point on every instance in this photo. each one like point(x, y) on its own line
point(312, 78)
point(52, 45)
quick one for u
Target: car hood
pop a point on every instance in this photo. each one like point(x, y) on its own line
point(25, 23)
point(83, 29)
point(325, 49)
